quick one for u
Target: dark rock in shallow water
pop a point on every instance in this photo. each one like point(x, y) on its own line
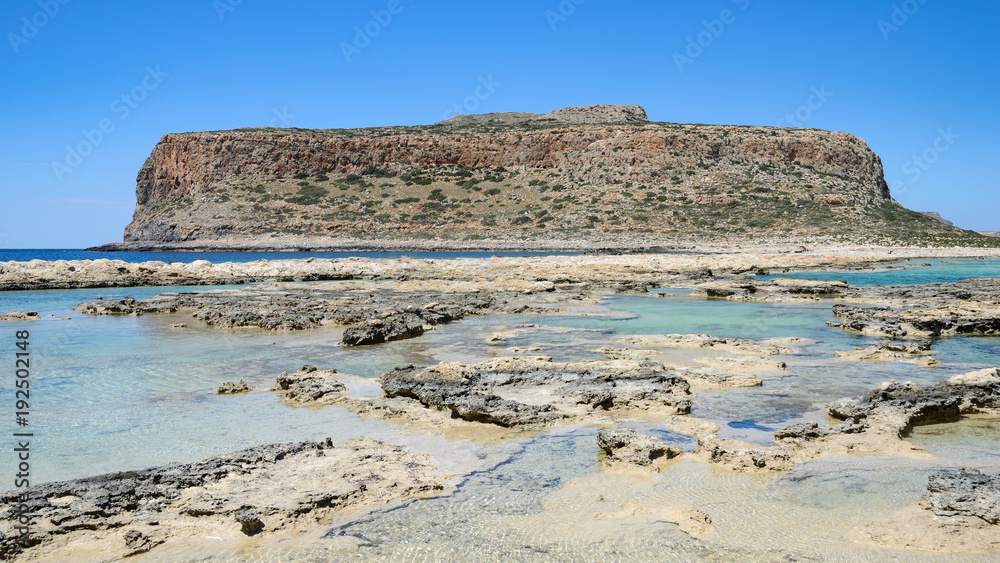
point(250, 521)
point(626, 446)
point(230, 388)
point(124, 306)
point(965, 492)
point(460, 398)
point(905, 404)
point(966, 307)
point(309, 384)
point(377, 331)
point(801, 431)
point(493, 391)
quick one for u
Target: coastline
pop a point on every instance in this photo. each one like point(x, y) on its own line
point(400, 298)
point(75, 274)
point(604, 243)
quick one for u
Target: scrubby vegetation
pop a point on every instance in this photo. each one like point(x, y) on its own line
point(702, 193)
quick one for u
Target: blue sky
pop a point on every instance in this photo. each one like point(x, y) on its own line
point(918, 80)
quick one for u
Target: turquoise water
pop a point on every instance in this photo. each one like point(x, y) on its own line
point(127, 392)
point(114, 393)
point(940, 270)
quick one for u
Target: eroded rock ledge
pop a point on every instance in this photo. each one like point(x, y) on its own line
point(967, 307)
point(959, 513)
point(258, 490)
point(778, 290)
point(532, 390)
point(506, 392)
point(379, 311)
point(626, 450)
point(900, 406)
point(916, 352)
point(874, 423)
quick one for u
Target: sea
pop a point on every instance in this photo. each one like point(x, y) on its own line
point(118, 393)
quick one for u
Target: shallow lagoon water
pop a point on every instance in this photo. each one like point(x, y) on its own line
point(115, 393)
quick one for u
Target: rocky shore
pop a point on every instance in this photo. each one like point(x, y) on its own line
point(266, 490)
point(695, 263)
point(958, 514)
point(967, 307)
point(517, 392)
point(374, 312)
point(516, 387)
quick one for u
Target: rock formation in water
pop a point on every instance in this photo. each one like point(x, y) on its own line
point(598, 173)
point(265, 489)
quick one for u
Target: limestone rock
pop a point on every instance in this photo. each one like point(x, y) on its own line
point(965, 492)
point(230, 388)
point(624, 446)
point(249, 521)
point(498, 391)
point(20, 316)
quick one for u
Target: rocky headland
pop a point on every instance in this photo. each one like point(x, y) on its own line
point(574, 178)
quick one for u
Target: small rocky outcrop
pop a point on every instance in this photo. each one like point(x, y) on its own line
point(913, 352)
point(309, 384)
point(966, 493)
point(902, 405)
point(230, 388)
point(625, 448)
point(20, 316)
point(409, 323)
point(937, 215)
point(745, 457)
point(249, 520)
point(774, 290)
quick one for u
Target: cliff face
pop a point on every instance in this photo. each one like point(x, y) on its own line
point(485, 176)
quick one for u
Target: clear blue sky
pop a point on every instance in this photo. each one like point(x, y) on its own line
point(922, 83)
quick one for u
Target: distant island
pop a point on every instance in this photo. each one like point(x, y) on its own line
point(572, 179)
